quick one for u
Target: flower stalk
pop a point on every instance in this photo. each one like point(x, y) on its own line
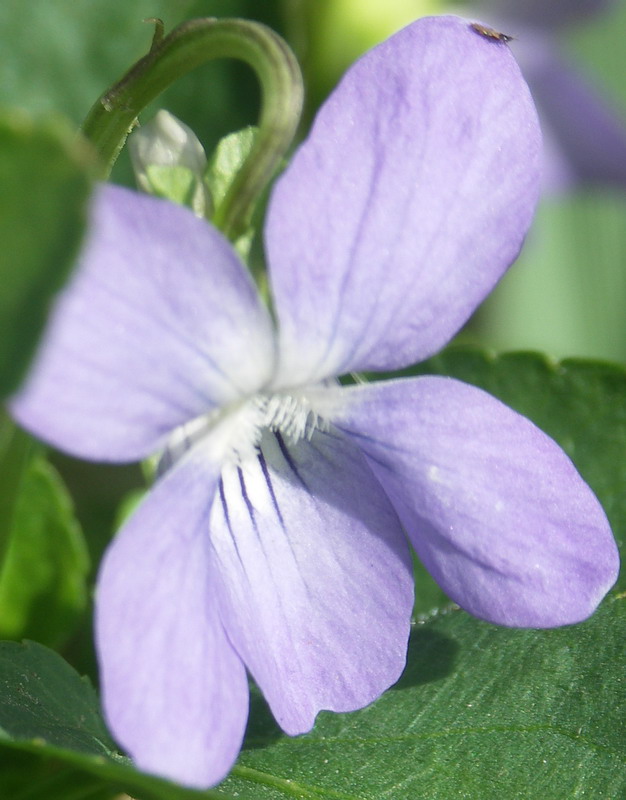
point(188, 46)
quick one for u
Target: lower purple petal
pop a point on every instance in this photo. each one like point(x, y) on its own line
point(315, 577)
point(175, 692)
point(493, 506)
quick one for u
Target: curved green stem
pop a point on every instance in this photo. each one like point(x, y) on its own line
point(188, 46)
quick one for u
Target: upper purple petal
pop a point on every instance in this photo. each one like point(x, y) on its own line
point(494, 508)
point(315, 577)
point(160, 323)
point(406, 204)
point(175, 693)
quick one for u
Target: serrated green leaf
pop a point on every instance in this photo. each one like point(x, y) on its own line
point(43, 577)
point(44, 701)
point(481, 711)
point(45, 188)
point(48, 709)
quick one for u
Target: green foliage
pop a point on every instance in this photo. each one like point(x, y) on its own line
point(47, 708)
point(27, 776)
point(480, 712)
point(222, 169)
point(43, 558)
point(181, 185)
point(230, 154)
point(177, 184)
point(60, 56)
point(45, 702)
point(43, 577)
point(45, 187)
point(15, 450)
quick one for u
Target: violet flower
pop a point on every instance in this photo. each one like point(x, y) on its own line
point(276, 542)
point(584, 138)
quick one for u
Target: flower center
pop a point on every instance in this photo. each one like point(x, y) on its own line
point(235, 431)
point(290, 414)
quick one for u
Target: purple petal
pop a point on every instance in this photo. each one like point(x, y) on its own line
point(175, 692)
point(407, 203)
point(544, 13)
point(159, 324)
point(493, 507)
point(588, 136)
point(584, 137)
point(315, 577)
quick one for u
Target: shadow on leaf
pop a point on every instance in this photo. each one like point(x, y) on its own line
point(262, 728)
point(431, 657)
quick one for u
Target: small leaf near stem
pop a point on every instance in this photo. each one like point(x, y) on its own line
point(188, 46)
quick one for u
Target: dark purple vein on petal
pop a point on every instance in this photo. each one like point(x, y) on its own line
point(229, 524)
point(246, 499)
point(370, 457)
point(268, 481)
point(225, 509)
point(289, 459)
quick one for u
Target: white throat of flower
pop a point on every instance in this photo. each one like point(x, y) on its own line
point(235, 431)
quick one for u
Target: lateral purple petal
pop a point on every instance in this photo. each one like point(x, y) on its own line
point(406, 204)
point(160, 323)
point(315, 577)
point(175, 692)
point(494, 508)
